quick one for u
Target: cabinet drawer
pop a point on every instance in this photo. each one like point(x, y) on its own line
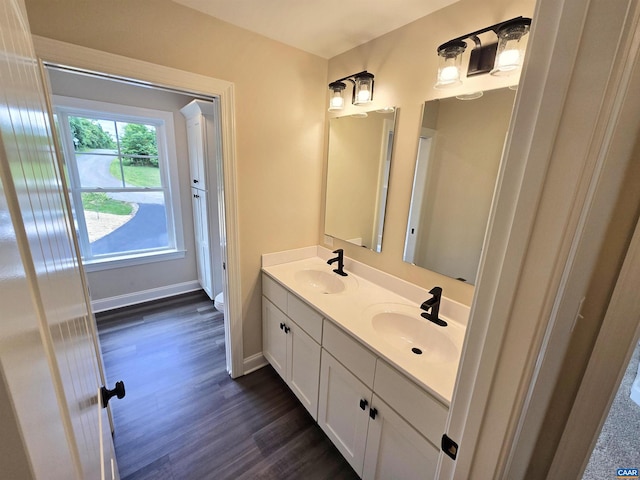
point(359, 360)
point(305, 316)
point(420, 409)
point(274, 292)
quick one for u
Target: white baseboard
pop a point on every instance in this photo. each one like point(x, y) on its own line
point(134, 298)
point(254, 362)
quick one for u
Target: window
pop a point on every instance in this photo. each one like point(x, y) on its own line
point(121, 167)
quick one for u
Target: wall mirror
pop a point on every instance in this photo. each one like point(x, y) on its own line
point(359, 160)
point(459, 150)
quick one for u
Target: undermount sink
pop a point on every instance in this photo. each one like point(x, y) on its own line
point(324, 282)
point(402, 327)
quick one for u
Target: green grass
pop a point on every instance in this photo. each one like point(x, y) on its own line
point(101, 203)
point(136, 175)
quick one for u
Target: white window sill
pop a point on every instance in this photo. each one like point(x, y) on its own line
point(97, 265)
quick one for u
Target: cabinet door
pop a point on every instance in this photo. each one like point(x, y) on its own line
point(342, 411)
point(303, 367)
point(195, 140)
point(395, 449)
point(201, 238)
point(274, 340)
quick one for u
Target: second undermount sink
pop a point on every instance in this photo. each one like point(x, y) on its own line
point(403, 328)
point(324, 282)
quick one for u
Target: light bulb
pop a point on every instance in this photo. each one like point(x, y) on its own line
point(364, 95)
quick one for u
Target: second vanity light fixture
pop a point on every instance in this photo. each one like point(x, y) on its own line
point(362, 90)
point(501, 58)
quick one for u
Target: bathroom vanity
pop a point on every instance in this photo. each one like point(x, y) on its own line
point(375, 375)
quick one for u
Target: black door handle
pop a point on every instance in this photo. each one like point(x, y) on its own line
point(373, 412)
point(363, 404)
point(106, 394)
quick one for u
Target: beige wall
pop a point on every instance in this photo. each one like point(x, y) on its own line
point(280, 96)
point(404, 63)
point(126, 280)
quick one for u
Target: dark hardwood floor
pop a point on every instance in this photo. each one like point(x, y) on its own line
point(184, 418)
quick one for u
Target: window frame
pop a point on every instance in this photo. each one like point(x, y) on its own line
point(167, 157)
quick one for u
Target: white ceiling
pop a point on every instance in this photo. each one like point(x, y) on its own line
point(322, 27)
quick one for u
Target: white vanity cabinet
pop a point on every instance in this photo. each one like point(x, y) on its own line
point(291, 334)
point(343, 406)
point(383, 423)
point(374, 438)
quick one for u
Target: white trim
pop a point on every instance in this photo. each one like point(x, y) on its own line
point(167, 156)
point(535, 215)
point(74, 56)
point(254, 362)
point(128, 261)
point(129, 299)
point(612, 352)
point(611, 151)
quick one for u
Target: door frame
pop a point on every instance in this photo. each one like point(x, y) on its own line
point(572, 83)
point(99, 62)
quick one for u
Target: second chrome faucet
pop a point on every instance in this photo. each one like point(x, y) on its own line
point(340, 260)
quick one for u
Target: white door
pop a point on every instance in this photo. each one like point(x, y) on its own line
point(274, 340)
point(48, 357)
point(343, 410)
point(395, 449)
point(303, 367)
point(201, 237)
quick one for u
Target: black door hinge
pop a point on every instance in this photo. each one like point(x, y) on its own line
point(449, 447)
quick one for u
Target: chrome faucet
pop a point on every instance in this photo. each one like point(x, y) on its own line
point(340, 260)
point(433, 304)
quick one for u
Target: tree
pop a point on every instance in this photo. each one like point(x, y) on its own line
point(139, 139)
point(89, 134)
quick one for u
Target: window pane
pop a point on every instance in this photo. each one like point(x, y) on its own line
point(139, 153)
point(121, 223)
point(96, 170)
point(141, 172)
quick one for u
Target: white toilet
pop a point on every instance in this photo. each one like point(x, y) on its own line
point(218, 302)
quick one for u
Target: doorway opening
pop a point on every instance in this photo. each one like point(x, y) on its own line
point(128, 279)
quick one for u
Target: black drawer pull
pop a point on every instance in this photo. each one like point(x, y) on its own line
point(363, 404)
point(372, 413)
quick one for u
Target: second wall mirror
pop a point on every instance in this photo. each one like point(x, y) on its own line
point(459, 151)
point(358, 165)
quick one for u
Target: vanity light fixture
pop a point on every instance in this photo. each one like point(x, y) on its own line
point(362, 90)
point(501, 58)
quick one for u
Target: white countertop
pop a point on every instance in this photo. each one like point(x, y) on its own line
point(349, 310)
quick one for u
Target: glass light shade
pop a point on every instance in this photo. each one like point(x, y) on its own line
point(363, 89)
point(336, 96)
point(450, 65)
point(510, 52)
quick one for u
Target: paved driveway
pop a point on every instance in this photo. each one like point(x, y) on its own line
point(147, 229)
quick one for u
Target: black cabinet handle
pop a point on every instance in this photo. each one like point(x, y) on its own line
point(282, 326)
point(372, 413)
point(286, 329)
point(196, 196)
point(106, 394)
point(195, 181)
point(363, 404)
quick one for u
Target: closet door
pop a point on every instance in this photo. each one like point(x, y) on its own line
point(201, 238)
